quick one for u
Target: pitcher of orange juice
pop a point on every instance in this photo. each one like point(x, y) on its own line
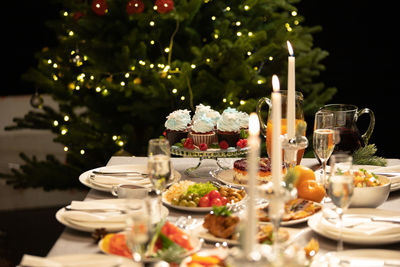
point(266, 128)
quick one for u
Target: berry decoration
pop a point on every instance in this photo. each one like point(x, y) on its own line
point(188, 143)
point(100, 7)
point(164, 6)
point(203, 147)
point(242, 143)
point(134, 7)
point(223, 144)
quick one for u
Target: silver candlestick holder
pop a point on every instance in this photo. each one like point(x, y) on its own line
point(291, 146)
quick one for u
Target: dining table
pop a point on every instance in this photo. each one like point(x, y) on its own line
point(78, 242)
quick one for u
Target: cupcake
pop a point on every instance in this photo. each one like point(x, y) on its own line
point(228, 128)
point(200, 111)
point(177, 125)
point(203, 131)
point(243, 120)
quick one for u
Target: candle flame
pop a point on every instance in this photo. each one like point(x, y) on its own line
point(275, 83)
point(290, 48)
point(254, 124)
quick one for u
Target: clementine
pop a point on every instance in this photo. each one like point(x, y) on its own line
point(303, 173)
point(311, 190)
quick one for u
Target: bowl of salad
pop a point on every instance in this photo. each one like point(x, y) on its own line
point(370, 190)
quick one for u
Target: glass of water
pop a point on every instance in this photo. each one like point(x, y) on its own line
point(340, 188)
point(159, 166)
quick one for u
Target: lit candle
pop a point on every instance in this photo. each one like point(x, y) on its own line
point(291, 96)
point(276, 158)
point(252, 167)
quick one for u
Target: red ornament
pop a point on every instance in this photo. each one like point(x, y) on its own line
point(134, 7)
point(77, 15)
point(164, 6)
point(100, 7)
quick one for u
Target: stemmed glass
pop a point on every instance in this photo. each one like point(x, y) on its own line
point(340, 188)
point(324, 139)
point(159, 166)
point(138, 228)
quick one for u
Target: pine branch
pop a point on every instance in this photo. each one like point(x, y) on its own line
point(365, 156)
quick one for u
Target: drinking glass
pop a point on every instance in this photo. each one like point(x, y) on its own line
point(341, 187)
point(137, 229)
point(323, 139)
point(159, 166)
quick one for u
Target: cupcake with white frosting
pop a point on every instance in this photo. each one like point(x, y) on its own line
point(228, 127)
point(177, 125)
point(202, 131)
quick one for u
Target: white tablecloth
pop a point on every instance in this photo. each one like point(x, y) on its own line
point(76, 242)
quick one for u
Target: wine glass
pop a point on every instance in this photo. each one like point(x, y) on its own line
point(137, 229)
point(323, 139)
point(159, 166)
point(340, 188)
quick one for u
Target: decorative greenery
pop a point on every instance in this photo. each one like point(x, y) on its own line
point(117, 72)
point(366, 156)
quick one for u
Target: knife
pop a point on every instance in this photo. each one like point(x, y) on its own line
point(385, 219)
point(390, 174)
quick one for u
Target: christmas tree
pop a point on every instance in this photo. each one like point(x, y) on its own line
point(120, 67)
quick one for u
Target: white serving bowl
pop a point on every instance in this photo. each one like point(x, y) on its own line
point(371, 197)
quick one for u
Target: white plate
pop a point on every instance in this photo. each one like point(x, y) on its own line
point(293, 222)
point(201, 232)
point(92, 226)
point(93, 260)
point(84, 177)
point(354, 256)
point(194, 209)
point(226, 177)
point(222, 253)
point(314, 223)
point(194, 240)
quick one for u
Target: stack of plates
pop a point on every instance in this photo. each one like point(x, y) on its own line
point(137, 175)
point(358, 226)
point(110, 214)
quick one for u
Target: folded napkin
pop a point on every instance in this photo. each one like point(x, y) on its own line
point(109, 181)
point(394, 168)
point(359, 225)
point(97, 205)
point(35, 261)
point(82, 216)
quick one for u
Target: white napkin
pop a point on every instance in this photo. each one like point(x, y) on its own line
point(82, 216)
point(362, 226)
point(96, 205)
point(395, 168)
point(36, 261)
point(109, 181)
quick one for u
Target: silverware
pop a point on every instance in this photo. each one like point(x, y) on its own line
point(127, 173)
point(129, 177)
point(390, 174)
point(385, 219)
point(381, 263)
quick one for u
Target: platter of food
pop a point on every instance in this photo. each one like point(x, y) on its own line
point(200, 197)
point(221, 226)
point(237, 175)
point(296, 211)
point(168, 243)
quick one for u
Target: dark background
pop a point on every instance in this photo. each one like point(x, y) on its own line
point(360, 37)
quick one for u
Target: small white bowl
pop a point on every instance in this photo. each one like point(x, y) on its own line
point(371, 197)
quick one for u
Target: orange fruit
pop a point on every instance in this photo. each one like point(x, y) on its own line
point(311, 190)
point(303, 173)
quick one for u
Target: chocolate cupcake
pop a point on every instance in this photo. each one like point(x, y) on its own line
point(228, 128)
point(177, 126)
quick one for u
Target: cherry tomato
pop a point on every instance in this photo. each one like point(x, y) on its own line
point(216, 202)
point(214, 194)
point(204, 201)
point(224, 200)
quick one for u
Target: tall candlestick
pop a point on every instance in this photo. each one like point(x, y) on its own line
point(276, 158)
point(252, 166)
point(291, 96)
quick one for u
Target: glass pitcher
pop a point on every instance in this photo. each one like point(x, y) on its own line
point(345, 118)
point(266, 127)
